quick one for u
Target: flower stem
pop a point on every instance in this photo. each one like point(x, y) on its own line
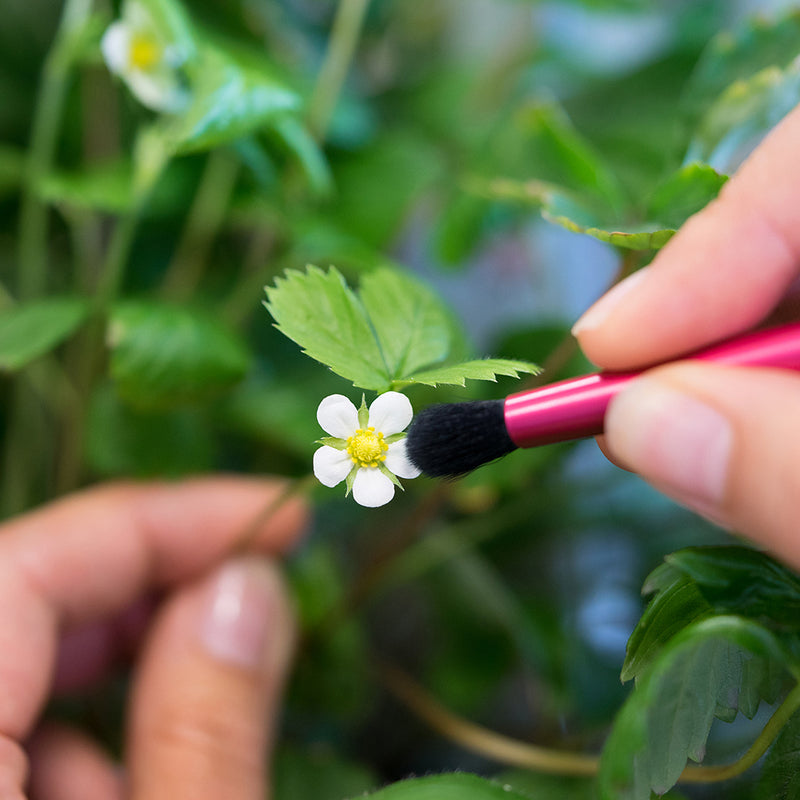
point(202, 225)
point(347, 26)
point(44, 136)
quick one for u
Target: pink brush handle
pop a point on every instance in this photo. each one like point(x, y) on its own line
point(575, 408)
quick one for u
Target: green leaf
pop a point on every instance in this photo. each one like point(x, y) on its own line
point(31, 330)
point(457, 786)
point(697, 582)
point(701, 673)
point(300, 142)
point(318, 311)
point(743, 115)
point(736, 55)
point(538, 786)
point(229, 99)
point(163, 354)
point(486, 369)
point(412, 327)
point(671, 610)
point(122, 441)
point(741, 580)
point(780, 774)
point(684, 193)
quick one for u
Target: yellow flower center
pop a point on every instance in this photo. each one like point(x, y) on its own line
point(145, 52)
point(367, 448)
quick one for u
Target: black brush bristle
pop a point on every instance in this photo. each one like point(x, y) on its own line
point(451, 439)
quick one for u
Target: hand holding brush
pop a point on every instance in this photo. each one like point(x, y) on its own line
point(722, 434)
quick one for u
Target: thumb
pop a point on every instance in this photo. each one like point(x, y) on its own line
point(723, 441)
point(209, 685)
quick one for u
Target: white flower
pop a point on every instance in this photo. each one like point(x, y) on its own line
point(144, 57)
point(366, 447)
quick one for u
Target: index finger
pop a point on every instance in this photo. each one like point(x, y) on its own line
point(722, 273)
point(93, 554)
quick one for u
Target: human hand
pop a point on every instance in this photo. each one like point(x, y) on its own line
point(77, 584)
point(721, 440)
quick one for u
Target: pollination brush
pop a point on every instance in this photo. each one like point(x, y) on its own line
point(451, 439)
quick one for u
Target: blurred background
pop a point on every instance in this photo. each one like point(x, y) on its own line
point(509, 595)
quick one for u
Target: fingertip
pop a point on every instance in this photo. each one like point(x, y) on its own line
point(209, 685)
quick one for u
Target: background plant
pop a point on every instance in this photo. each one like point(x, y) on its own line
point(441, 156)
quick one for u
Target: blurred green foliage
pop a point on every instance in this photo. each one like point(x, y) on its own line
point(440, 155)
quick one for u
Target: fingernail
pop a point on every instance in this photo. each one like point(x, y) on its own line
point(240, 607)
point(672, 439)
point(603, 308)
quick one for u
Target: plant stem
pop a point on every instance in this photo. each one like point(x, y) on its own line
point(44, 136)
point(205, 218)
point(347, 26)
point(89, 354)
point(479, 739)
point(293, 488)
point(541, 759)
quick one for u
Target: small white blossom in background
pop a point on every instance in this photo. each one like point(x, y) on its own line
point(143, 56)
point(366, 447)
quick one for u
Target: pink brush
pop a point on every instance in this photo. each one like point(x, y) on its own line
point(452, 439)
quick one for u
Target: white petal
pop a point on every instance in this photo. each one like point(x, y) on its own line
point(115, 45)
point(372, 488)
point(337, 416)
point(331, 466)
point(397, 461)
point(390, 413)
point(156, 89)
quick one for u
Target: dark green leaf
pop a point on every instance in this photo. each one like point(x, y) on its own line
point(31, 330)
point(486, 369)
point(457, 786)
point(744, 581)
point(701, 673)
point(412, 326)
point(780, 775)
point(123, 441)
point(162, 354)
point(318, 311)
point(671, 610)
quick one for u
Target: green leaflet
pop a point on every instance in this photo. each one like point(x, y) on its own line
point(162, 354)
point(318, 311)
point(743, 115)
point(33, 329)
point(379, 338)
point(678, 197)
point(457, 786)
point(486, 369)
point(731, 56)
point(705, 671)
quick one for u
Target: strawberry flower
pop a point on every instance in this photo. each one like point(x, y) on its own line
point(137, 50)
point(366, 447)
